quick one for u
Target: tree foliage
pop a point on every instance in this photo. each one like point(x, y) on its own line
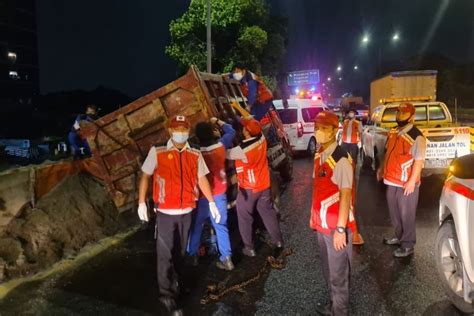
point(242, 31)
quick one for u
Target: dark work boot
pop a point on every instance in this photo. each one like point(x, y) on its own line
point(391, 241)
point(249, 252)
point(323, 309)
point(226, 264)
point(403, 252)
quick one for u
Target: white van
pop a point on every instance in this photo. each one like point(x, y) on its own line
point(298, 120)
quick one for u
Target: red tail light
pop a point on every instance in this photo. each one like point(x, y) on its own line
point(299, 128)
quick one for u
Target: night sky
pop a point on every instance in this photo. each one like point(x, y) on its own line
point(120, 44)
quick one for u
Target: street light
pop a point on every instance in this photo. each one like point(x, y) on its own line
point(365, 39)
point(208, 38)
point(329, 78)
point(340, 78)
point(339, 68)
point(356, 67)
point(395, 37)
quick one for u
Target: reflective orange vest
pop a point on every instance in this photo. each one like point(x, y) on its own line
point(175, 178)
point(214, 156)
point(254, 175)
point(350, 136)
point(398, 159)
point(263, 93)
point(325, 207)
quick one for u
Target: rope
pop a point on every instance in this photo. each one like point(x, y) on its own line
point(216, 292)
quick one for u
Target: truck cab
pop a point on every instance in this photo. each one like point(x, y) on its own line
point(444, 140)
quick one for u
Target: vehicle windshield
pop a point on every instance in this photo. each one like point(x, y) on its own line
point(310, 113)
point(389, 115)
point(288, 116)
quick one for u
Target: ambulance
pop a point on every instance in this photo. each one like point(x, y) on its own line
point(297, 115)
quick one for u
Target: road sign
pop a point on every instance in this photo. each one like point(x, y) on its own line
point(297, 78)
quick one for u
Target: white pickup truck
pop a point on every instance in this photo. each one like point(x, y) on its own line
point(445, 140)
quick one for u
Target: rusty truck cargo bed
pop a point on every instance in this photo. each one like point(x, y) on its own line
point(121, 140)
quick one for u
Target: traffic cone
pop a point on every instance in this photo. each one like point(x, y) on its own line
point(357, 239)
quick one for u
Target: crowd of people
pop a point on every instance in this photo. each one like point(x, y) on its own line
point(189, 184)
point(177, 168)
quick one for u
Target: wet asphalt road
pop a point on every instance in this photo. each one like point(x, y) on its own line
point(121, 281)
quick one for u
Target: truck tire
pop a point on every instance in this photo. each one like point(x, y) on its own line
point(286, 167)
point(450, 266)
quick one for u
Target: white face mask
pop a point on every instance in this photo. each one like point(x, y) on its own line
point(238, 76)
point(322, 137)
point(351, 115)
point(180, 137)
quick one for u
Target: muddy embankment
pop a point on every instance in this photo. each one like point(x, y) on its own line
point(78, 211)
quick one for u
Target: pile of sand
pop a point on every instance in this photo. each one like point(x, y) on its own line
point(78, 211)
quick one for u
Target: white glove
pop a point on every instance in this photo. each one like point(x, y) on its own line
point(215, 212)
point(359, 145)
point(143, 212)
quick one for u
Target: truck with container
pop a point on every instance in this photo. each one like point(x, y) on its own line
point(403, 84)
point(445, 139)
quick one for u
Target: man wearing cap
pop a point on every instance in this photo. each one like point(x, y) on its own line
point(351, 134)
point(351, 142)
point(401, 171)
point(253, 176)
point(259, 97)
point(332, 213)
point(177, 170)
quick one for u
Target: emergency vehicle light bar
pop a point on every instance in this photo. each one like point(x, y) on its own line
point(408, 99)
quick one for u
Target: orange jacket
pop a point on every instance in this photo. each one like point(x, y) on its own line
point(398, 158)
point(353, 133)
point(214, 156)
point(325, 207)
point(254, 174)
point(175, 178)
point(263, 93)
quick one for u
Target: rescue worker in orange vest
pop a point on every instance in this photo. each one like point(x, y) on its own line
point(213, 149)
point(331, 212)
point(351, 135)
point(351, 142)
point(401, 171)
point(253, 176)
point(259, 97)
point(177, 170)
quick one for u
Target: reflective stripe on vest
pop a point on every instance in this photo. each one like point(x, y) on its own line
point(254, 175)
point(326, 195)
point(352, 135)
point(175, 178)
point(398, 158)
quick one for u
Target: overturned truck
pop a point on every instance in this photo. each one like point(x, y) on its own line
point(120, 140)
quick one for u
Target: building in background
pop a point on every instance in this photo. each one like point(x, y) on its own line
point(19, 72)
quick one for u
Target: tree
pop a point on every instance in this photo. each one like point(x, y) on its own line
point(242, 31)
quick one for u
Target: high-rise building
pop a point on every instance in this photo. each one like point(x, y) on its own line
point(19, 73)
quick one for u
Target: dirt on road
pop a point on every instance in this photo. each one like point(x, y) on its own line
point(77, 212)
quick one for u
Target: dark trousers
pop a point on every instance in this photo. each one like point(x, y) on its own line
point(247, 201)
point(352, 149)
point(336, 267)
point(171, 238)
point(402, 211)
